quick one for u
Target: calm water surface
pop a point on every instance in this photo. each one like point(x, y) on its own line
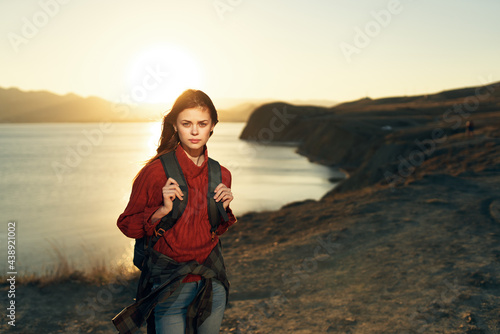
point(66, 184)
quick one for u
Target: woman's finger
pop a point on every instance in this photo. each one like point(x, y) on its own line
point(219, 186)
point(224, 197)
point(169, 192)
point(174, 187)
point(171, 181)
point(179, 193)
point(227, 201)
point(173, 192)
point(224, 194)
point(218, 194)
point(219, 189)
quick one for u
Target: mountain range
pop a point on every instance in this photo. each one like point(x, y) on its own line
point(18, 106)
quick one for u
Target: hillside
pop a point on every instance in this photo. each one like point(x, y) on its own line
point(18, 106)
point(41, 106)
point(367, 137)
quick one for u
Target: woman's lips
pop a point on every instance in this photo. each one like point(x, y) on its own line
point(195, 141)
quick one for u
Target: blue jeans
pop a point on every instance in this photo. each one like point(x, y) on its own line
point(170, 315)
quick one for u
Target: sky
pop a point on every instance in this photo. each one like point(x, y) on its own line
point(339, 50)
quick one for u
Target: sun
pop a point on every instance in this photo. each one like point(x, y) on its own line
point(160, 73)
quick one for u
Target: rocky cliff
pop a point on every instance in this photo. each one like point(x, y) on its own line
point(378, 141)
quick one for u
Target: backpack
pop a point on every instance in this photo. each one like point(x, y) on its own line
point(215, 209)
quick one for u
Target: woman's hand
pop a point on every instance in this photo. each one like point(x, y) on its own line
point(170, 191)
point(223, 193)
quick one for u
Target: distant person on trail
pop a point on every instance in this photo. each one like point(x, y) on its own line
point(183, 286)
point(469, 129)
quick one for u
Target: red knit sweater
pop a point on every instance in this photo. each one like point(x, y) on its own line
point(190, 238)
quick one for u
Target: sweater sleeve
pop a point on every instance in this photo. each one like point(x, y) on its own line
point(223, 227)
point(135, 221)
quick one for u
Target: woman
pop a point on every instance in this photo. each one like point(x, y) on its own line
point(186, 130)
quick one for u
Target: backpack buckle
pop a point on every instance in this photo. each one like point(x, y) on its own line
point(159, 232)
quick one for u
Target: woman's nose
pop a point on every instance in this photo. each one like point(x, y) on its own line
point(194, 130)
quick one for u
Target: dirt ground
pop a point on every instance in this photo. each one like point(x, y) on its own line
point(416, 260)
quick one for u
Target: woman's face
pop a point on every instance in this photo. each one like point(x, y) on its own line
point(194, 126)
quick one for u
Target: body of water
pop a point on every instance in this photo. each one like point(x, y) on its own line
point(66, 184)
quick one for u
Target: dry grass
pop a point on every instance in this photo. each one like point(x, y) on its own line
point(98, 273)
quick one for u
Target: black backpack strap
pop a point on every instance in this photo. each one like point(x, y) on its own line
point(173, 170)
point(214, 208)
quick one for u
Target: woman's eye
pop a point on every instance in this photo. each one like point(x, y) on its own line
point(203, 124)
point(185, 124)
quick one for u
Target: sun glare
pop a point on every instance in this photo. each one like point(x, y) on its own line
point(160, 73)
point(155, 132)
